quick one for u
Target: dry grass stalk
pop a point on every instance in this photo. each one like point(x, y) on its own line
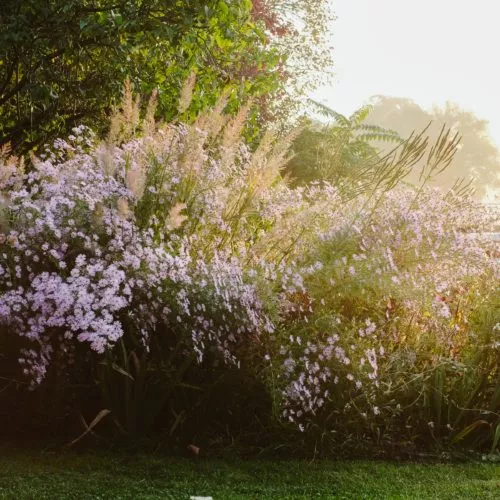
point(186, 95)
point(175, 218)
point(149, 123)
point(214, 120)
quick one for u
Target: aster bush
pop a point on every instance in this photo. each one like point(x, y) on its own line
point(95, 264)
point(174, 269)
point(396, 341)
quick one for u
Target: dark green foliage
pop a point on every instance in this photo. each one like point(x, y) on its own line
point(63, 62)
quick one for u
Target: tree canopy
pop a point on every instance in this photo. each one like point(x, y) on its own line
point(342, 150)
point(63, 62)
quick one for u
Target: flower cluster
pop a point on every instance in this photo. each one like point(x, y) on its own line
point(76, 267)
point(387, 291)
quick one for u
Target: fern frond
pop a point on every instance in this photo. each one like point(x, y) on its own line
point(378, 128)
point(327, 111)
point(379, 137)
point(361, 114)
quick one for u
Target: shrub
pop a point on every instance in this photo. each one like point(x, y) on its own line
point(396, 342)
point(125, 262)
point(157, 263)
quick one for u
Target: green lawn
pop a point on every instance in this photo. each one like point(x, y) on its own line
point(40, 475)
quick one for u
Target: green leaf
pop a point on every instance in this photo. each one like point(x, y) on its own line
point(496, 439)
point(120, 370)
point(465, 432)
point(224, 9)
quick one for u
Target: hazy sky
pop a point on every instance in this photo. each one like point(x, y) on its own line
point(430, 51)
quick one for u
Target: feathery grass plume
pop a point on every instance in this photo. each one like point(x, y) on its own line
point(135, 179)
point(104, 156)
point(269, 159)
point(115, 125)
point(124, 208)
point(11, 170)
point(130, 109)
point(263, 171)
point(125, 119)
point(231, 134)
point(149, 123)
point(213, 120)
point(192, 154)
point(281, 152)
point(193, 141)
point(5, 151)
point(175, 218)
point(263, 148)
point(242, 197)
point(11, 167)
point(186, 94)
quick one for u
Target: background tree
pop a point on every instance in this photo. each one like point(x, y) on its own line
point(476, 156)
point(300, 30)
point(344, 149)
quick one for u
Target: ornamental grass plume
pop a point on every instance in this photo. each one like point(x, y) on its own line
point(186, 95)
point(125, 121)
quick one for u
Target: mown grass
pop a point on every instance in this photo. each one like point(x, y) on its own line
point(55, 475)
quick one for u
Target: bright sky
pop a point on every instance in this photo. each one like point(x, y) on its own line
point(430, 51)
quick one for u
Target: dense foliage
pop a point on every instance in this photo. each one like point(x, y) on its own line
point(196, 279)
point(63, 63)
point(176, 271)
